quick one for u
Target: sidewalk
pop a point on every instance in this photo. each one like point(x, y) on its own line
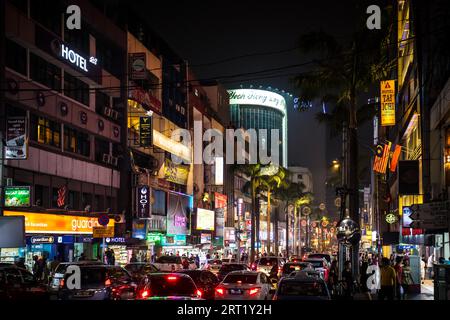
point(427, 292)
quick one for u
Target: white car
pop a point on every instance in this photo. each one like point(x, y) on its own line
point(244, 285)
point(173, 263)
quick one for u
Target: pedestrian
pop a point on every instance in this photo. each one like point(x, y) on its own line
point(113, 258)
point(398, 267)
point(133, 258)
point(185, 263)
point(197, 261)
point(387, 280)
point(54, 264)
point(364, 276)
point(347, 280)
point(333, 277)
point(430, 263)
point(423, 267)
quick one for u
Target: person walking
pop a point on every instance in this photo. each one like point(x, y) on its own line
point(333, 277)
point(430, 266)
point(388, 280)
point(398, 267)
point(133, 258)
point(347, 280)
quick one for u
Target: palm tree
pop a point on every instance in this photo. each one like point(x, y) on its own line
point(340, 77)
point(289, 193)
point(270, 183)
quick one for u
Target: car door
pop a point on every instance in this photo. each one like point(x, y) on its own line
point(211, 283)
point(14, 283)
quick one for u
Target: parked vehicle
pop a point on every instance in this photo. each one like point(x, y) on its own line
point(19, 284)
point(100, 282)
point(168, 286)
point(205, 281)
point(244, 285)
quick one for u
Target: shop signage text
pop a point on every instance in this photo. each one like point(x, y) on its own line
point(42, 240)
point(387, 101)
point(16, 138)
point(143, 201)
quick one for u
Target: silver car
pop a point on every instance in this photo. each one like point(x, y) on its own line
point(244, 285)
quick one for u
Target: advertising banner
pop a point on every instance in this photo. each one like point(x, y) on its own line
point(103, 232)
point(179, 210)
point(145, 132)
point(138, 63)
point(387, 101)
point(17, 196)
point(57, 223)
point(176, 173)
point(16, 138)
point(205, 219)
point(220, 205)
point(139, 229)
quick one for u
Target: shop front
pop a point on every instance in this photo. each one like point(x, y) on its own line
point(56, 235)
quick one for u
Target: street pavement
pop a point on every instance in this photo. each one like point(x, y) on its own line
point(427, 293)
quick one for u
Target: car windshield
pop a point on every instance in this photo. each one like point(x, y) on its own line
point(289, 267)
point(170, 285)
point(319, 256)
point(297, 288)
point(240, 278)
point(168, 259)
point(268, 261)
point(316, 263)
point(93, 277)
point(231, 267)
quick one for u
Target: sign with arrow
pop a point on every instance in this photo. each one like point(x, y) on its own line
point(433, 215)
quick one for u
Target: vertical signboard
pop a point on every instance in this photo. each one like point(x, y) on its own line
point(143, 201)
point(179, 210)
point(145, 132)
point(220, 205)
point(16, 138)
point(138, 63)
point(387, 100)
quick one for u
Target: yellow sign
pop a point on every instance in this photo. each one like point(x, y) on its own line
point(387, 102)
point(103, 232)
point(175, 173)
point(57, 223)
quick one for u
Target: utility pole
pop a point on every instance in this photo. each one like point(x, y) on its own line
point(2, 95)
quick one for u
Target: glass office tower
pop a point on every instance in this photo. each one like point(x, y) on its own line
point(261, 109)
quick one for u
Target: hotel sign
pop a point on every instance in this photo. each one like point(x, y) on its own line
point(387, 101)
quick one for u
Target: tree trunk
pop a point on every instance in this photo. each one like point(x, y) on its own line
point(268, 220)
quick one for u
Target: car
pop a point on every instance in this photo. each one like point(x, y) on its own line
point(289, 267)
point(54, 281)
point(266, 265)
point(99, 282)
point(319, 264)
point(168, 286)
point(20, 284)
point(325, 256)
point(244, 285)
point(295, 258)
point(139, 269)
point(301, 285)
point(205, 280)
point(169, 263)
point(229, 267)
point(213, 265)
point(228, 260)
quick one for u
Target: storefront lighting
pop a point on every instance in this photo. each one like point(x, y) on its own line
point(447, 158)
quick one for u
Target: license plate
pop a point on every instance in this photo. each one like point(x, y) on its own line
point(83, 294)
point(235, 291)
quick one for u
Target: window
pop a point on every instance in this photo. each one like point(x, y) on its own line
point(76, 142)
point(99, 204)
point(47, 13)
point(87, 199)
point(16, 57)
point(45, 73)
point(45, 131)
point(102, 100)
point(76, 89)
point(41, 194)
point(74, 200)
point(108, 54)
point(55, 198)
point(101, 148)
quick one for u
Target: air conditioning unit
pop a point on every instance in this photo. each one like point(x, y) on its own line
point(107, 111)
point(106, 158)
point(114, 161)
point(114, 114)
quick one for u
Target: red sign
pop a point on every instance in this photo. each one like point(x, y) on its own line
point(138, 64)
point(303, 223)
point(146, 99)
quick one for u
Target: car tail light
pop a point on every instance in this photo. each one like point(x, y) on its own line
point(253, 291)
point(220, 291)
point(61, 283)
point(279, 269)
point(145, 293)
point(199, 293)
point(172, 278)
point(107, 282)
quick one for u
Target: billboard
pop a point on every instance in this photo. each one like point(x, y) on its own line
point(158, 202)
point(138, 66)
point(57, 223)
point(175, 173)
point(145, 132)
point(407, 217)
point(143, 201)
point(16, 138)
point(179, 208)
point(205, 219)
point(12, 232)
point(220, 205)
point(17, 196)
point(258, 97)
point(387, 101)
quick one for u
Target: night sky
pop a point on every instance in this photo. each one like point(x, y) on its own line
point(207, 32)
